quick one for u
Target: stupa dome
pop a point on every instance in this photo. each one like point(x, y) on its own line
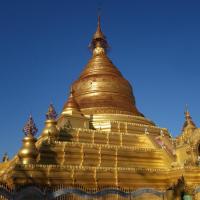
point(101, 88)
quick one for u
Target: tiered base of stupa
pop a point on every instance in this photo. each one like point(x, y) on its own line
point(100, 164)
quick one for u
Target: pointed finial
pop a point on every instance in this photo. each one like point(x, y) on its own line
point(51, 113)
point(99, 23)
point(99, 34)
point(71, 107)
point(99, 42)
point(71, 103)
point(30, 128)
point(188, 119)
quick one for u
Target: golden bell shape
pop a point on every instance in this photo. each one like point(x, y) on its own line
point(50, 128)
point(28, 153)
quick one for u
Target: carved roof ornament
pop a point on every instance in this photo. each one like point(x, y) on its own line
point(99, 43)
point(30, 128)
point(51, 113)
point(188, 120)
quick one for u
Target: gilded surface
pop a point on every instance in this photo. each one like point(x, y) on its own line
point(101, 140)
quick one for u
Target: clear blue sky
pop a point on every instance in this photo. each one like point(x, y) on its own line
point(43, 48)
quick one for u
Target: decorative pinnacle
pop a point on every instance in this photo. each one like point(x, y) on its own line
point(99, 39)
point(71, 106)
point(188, 119)
point(71, 103)
point(99, 33)
point(30, 128)
point(51, 113)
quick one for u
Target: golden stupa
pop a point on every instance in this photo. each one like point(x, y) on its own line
point(102, 147)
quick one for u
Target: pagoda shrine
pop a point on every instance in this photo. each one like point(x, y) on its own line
point(101, 147)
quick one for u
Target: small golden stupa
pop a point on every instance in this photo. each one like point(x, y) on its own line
point(102, 147)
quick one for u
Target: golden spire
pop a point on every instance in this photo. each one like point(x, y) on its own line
point(28, 153)
point(99, 43)
point(99, 34)
point(188, 120)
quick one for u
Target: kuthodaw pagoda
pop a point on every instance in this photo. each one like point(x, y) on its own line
point(102, 147)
